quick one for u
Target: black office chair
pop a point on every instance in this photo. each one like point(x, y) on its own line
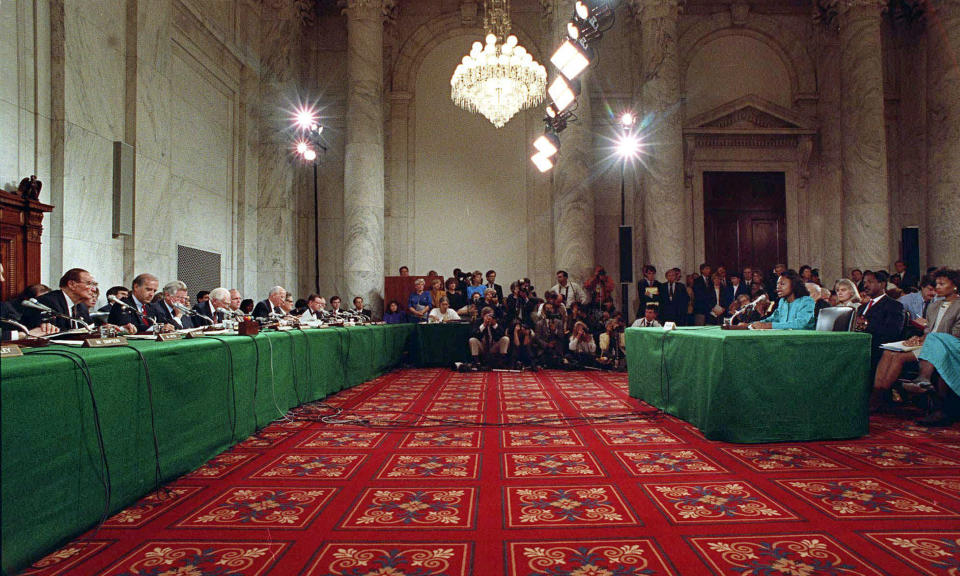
point(836, 319)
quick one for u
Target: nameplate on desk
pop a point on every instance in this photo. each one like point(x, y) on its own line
point(10, 351)
point(104, 342)
point(169, 336)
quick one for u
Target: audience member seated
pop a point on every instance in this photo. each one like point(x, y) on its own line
point(648, 289)
point(272, 304)
point(648, 320)
point(140, 298)
point(916, 303)
point(806, 274)
point(744, 313)
point(819, 297)
point(856, 275)
point(600, 286)
point(491, 301)
point(492, 284)
point(455, 295)
point(419, 303)
point(471, 311)
point(394, 315)
point(524, 346)
point(583, 348)
point(515, 307)
point(734, 288)
point(403, 271)
point(489, 342)
point(166, 311)
point(443, 312)
point(880, 316)
point(942, 319)
point(612, 346)
point(794, 309)
point(436, 290)
point(568, 289)
point(757, 285)
point(575, 314)
point(847, 293)
point(902, 277)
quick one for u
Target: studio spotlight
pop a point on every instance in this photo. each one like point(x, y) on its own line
point(552, 111)
point(542, 163)
point(563, 93)
point(573, 31)
point(302, 147)
point(570, 59)
point(548, 144)
point(627, 119)
point(628, 146)
point(581, 10)
point(310, 155)
point(305, 119)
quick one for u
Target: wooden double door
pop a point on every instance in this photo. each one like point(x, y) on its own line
point(745, 219)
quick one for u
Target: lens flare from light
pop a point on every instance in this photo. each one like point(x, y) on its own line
point(304, 118)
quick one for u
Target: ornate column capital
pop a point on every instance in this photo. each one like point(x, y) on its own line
point(356, 8)
point(828, 11)
point(655, 9)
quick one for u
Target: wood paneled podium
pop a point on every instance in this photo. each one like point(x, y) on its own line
point(21, 222)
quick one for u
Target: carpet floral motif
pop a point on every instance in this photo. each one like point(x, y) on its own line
point(949, 485)
point(449, 439)
point(60, 562)
point(587, 558)
point(893, 455)
point(526, 438)
point(461, 395)
point(364, 559)
point(222, 465)
point(923, 432)
point(455, 406)
point(528, 405)
point(401, 466)
point(554, 464)
point(162, 558)
point(148, 508)
point(862, 498)
point(586, 394)
point(531, 417)
point(636, 436)
point(786, 555)
point(547, 506)
point(266, 438)
point(383, 406)
point(329, 439)
point(715, 502)
point(419, 508)
point(443, 419)
point(932, 553)
point(783, 458)
point(250, 507)
point(642, 462)
point(524, 395)
point(602, 404)
point(307, 466)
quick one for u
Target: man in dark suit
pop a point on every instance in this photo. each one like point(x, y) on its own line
point(716, 299)
point(491, 283)
point(702, 287)
point(735, 288)
point(121, 292)
point(76, 288)
point(648, 289)
point(906, 280)
point(673, 299)
point(140, 299)
point(9, 312)
point(216, 299)
point(166, 313)
point(271, 305)
point(489, 341)
point(359, 309)
point(880, 316)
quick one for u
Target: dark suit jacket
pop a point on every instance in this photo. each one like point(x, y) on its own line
point(498, 331)
point(58, 301)
point(730, 293)
point(642, 297)
point(207, 310)
point(120, 316)
point(703, 296)
point(674, 310)
point(8, 311)
point(366, 312)
point(885, 322)
point(907, 280)
point(709, 300)
point(264, 308)
point(496, 287)
point(164, 316)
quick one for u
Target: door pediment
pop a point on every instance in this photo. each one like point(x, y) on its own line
point(750, 114)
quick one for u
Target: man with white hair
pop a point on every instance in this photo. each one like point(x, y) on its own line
point(218, 298)
point(820, 298)
point(272, 305)
point(166, 312)
point(235, 299)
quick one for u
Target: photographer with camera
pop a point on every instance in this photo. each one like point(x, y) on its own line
point(600, 286)
point(549, 331)
point(612, 346)
point(489, 342)
point(525, 345)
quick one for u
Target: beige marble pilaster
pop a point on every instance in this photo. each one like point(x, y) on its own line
point(665, 227)
point(943, 133)
point(866, 204)
point(363, 159)
point(573, 199)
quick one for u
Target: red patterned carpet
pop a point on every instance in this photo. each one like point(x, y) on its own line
point(647, 496)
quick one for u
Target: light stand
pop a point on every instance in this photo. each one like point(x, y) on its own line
point(309, 148)
point(627, 148)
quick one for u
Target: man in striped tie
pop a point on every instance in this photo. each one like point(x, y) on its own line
point(141, 296)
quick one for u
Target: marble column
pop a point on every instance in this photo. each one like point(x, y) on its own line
point(363, 184)
point(943, 133)
point(573, 198)
point(866, 203)
point(665, 227)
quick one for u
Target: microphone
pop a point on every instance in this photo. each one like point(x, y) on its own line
point(32, 303)
point(99, 315)
point(114, 300)
point(227, 313)
point(184, 309)
point(16, 324)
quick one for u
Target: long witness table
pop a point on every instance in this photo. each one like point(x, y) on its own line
point(756, 385)
point(203, 396)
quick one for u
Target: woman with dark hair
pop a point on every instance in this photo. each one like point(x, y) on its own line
point(795, 308)
point(247, 306)
point(455, 295)
point(393, 314)
point(939, 352)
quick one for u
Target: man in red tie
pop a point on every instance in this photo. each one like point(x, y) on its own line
point(140, 298)
point(881, 316)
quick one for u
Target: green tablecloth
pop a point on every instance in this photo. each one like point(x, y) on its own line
point(755, 386)
point(207, 394)
point(441, 344)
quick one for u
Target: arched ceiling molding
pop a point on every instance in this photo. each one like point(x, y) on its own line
point(431, 34)
point(788, 46)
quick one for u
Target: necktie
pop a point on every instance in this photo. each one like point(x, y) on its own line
point(923, 312)
point(869, 305)
point(73, 311)
point(671, 291)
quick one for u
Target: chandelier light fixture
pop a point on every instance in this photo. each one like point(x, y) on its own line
point(499, 78)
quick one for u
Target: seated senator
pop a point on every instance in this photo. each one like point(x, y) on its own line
point(795, 308)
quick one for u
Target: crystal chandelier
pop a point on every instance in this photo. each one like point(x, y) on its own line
point(500, 78)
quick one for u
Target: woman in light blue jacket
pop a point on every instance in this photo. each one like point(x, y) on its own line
point(795, 308)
